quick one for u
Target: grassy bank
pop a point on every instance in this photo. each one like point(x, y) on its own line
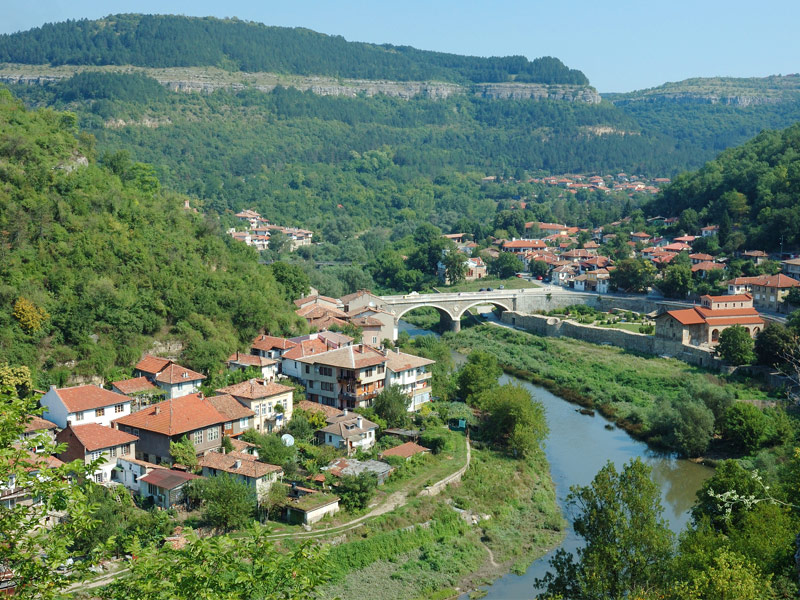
point(626, 387)
point(431, 545)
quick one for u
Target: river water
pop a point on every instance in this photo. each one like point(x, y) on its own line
point(577, 448)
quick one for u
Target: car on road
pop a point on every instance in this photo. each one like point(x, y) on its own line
point(501, 287)
point(482, 290)
point(490, 290)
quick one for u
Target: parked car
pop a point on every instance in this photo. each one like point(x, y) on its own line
point(501, 287)
point(482, 290)
point(490, 290)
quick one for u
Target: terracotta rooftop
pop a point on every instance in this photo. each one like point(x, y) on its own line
point(405, 450)
point(237, 463)
point(254, 389)
point(176, 416)
point(328, 411)
point(348, 427)
point(88, 397)
point(350, 297)
point(306, 348)
point(94, 436)
point(314, 299)
point(39, 424)
point(152, 364)
point(250, 360)
point(168, 479)
point(525, 244)
point(132, 386)
point(177, 374)
point(230, 407)
point(687, 316)
point(707, 266)
point(349, 357)
point(780, 281)
point(729, 298)
point(400, 361)
point(268, 342)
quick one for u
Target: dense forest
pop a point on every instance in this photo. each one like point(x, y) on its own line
point(96, 261)
point(750, 191)
point(178, 41)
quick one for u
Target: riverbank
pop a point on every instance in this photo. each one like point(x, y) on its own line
point(501, 517)
point(630, 389)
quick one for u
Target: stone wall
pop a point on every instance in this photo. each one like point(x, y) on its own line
point(628, 340)
point(561, 298)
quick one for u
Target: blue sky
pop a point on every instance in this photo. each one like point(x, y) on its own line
point(620, 45)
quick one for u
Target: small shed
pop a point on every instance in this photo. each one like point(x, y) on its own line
point(165, 486)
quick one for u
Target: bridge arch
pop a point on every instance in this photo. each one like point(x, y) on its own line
point(501, 304)
point(442, 310)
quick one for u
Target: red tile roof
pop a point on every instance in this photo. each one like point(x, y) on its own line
point(250, 360)
point(230, 407)
point(687, 316)
point(729, 298)
point(308, 406)
point(94, 436)
point(238, 463)
point(751, 320)
point(349, 357)
point(39, 424)
point(776, 281)
point(132, 386)
point(707, 266)
point(306, 348)
point(525, 244)
point(177, 374)
point(700, 256)
point(152, 364)
point(168, 479)
point(254, 389)
point(88, 397)
point(267, 343)
point(176, 416)
point(676, 247)
point(405, 450)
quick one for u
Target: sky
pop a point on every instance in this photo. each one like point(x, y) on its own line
point(621, 45)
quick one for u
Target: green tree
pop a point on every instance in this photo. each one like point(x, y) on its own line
point(274, 499)
point(455, 267)
point(279, 243)
point(677, 281)
point(516, 421)
point(292, 277)
point(479, 374)
point(355, 491)
point(506, 265)
point(730, 575)
point(744, 427)
point(392, 406)
point(731, 479)
point(774, 344)
point(538, 268)
point(222, 567)
point(633, 275)
point(736, 346)
point(228, 502)
point(627, 541)
point(300, 428)
point(183, 452)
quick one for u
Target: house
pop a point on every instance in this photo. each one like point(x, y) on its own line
point(322, 317)
point(709, 230)
point(139, 389)
point(686, 239)
point(306, 506)
point(36, 426)
point(270, 402)
point(598, 281)
point(757, 256)
point(578, 254)
point(360, 299)
point(349, 431)
point(455, 237)
point(521, 246)
point(791, 267)
point(676, 247)
point(130, 471)
point(705, 267)
point(563, 274)
point(640, 236)
point(174, 379)
point(239, 361)
point(701, 325)
point(159, 424)
point(83, 404)
point(92, 441)
point(348, 377)
point(165, 486)
point(406, 450)
point(289, 362)
point(769, 291)
point(270, 347)
point(476, 269)
point(239, 418)
point(411, 374)
point(317, 300)
point(699, 257)
point(244, 467)
point(387, 329)
point(350, 466)
point(14, 491)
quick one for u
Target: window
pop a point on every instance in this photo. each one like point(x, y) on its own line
point(213, 434)
point(152, 489)
point(99, 412)
point(374, 339)
point(118, 408)
point(79, 416)
point(243, 423)
point(369, 372)
point(96, 454)
point(135, 432)
point(326, 371)
point(381, 369)
point(113, 452)
point(98, 477)
point(125, 450)
point(311, 384)
point(327, 386)
point(307, 369)
point(198, 437)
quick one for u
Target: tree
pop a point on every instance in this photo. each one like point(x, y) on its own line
point(689, 221)
point(455, 267)
point(57, 489)
point(228, 502)
point(677, 281)
point(184, 453)
point(222, 567)
point(292, 277)
point(736, 346)
point(633, 275)
point(729, 478)
point(392, 406)
point(506, 265)
point(774, 344)
point(279, 242)
point(31, 317)
point(516, 421)
point(744, 427)
point(356, 491)
point(271, 449)
point(300, 428)
point(273, 499)
point(627, 541)
point(730, 575)
point(538, 268)
point(479, 374)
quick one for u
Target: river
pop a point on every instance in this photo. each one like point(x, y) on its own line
point(577, 448)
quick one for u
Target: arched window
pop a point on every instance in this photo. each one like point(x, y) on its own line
point(715, 335)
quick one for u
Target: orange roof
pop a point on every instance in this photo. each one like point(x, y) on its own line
point(237, 463)
point(729, 298)
point(306, 348)
point(405, 450)
point(131, 386)
point(707, 266)
point(178, 374)
point(701, 256)
point(230, 407)
point(88, 397)
point(94, 436)
point(168, 479)
point(751, 320)
point(39, 424)
point(687, 316)
point(676, 247)
point(176, 416)
point(725, 312)
point(525, 244)
point(254, 389)
point(152, 364)
point(349, 357)
point(267, 343)
point(251, 360)
point(308, 406)
point(777, 281)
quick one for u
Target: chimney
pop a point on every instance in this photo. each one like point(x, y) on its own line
point(157, 410)
point(199, 395)
point(359, 421)
point(345, 412)
point(52, 388)
point(237, 464)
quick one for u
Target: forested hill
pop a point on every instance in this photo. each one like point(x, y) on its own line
point(96, 261)
point(753, 189)
point(177, 41)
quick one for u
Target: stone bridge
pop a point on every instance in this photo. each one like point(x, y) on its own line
point(453, 306)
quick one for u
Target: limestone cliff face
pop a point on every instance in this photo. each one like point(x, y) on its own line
point(324, 86)
point(690, 98)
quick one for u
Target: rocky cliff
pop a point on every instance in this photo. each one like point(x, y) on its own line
point(206, 80)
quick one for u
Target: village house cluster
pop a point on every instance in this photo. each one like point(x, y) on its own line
point(132, 425)
point(259, 230)
point(572, 182)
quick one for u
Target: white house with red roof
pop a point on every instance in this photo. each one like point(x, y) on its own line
point(241, 361)
point(91, 442)
point(171, 377)
point(83, 404)
point(271, 402)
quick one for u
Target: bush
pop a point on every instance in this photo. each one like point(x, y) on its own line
point(745, 427)
point(435, 442)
